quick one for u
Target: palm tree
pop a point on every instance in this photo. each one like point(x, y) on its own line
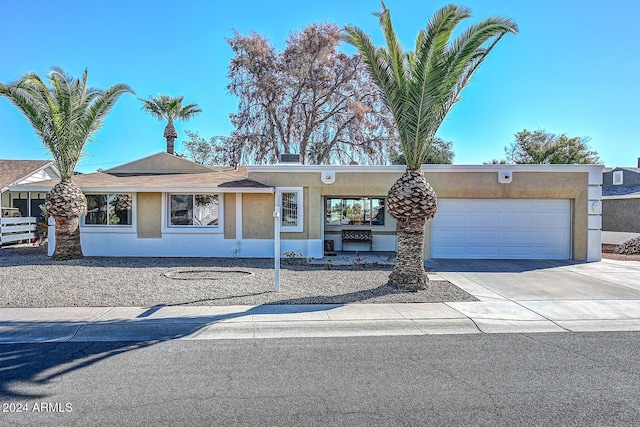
point(420, 87)
point(165, 107)
point(65, 116)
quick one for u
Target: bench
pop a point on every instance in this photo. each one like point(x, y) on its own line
point(357, 236)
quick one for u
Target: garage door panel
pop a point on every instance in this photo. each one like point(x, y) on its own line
point(502, 229)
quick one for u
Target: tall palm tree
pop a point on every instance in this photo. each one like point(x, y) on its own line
point(165, 107)
point(420, 87)
point(65, 116)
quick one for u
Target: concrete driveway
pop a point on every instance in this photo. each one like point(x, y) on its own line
point(544, 295)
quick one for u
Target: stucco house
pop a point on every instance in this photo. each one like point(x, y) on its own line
point(620, 204)
point(20, 211)
point(163, 205)
point(17, 172)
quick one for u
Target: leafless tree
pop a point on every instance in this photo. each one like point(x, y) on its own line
point(309, 99)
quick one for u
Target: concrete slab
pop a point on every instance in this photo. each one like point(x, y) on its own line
point(600, 325)
point(37, 333)
point(626, 279)
point(222, 331)
point(54, 314)
point(180, 314)
point(335, 329)
point(474, 288)
point(586, 310)
point(605, 266)
point(558, 284)
point(426, 311)
point(293, 313)
point(493, 326)
point(446, 326)
point(135, 331)
point(364, 312)
point(497, 310)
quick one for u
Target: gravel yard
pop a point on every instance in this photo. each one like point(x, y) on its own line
point(29, 278)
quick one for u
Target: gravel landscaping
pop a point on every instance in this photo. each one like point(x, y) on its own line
point(29, 278)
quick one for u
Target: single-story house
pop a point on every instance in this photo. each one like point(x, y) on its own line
point(20, 211)
point(17, 172)
point(620, 204)
point(163, 205)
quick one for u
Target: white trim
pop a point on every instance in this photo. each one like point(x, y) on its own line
point(594, 245)
point(593, 170)
point(300, 214)
point(100, 228)
point(107, 189)
point(238, 217)
point(617, 177)
point(191, 229)
point(622, 196)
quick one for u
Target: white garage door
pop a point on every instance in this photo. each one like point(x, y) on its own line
point(502, 229)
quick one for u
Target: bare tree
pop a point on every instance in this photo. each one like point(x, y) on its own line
point(309, 99)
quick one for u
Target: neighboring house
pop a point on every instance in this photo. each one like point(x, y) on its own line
point(163, 205)
point(19, 211)
point(620, 205)
point(16, 172)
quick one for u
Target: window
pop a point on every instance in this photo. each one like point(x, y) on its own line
point(354, 211)
point(617, 178)
point(194, 210)
point(109, 209)
point(291, 205)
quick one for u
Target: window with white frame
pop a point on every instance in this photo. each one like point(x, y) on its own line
point(360, 211)
point(201, 210)
point(109, 209)
point(617, 178)
point(291, 204)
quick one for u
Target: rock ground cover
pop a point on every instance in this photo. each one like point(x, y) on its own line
point(29, 278)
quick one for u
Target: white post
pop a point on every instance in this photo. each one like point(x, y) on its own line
point(51, 236)
point(276, 245)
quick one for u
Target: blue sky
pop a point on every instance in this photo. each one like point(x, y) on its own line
point(572, 69)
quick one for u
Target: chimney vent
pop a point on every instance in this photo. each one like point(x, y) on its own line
point(289, 158)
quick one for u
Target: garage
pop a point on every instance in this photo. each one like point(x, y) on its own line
point(502, 229)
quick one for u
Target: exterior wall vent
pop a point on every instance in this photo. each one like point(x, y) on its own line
point(505, 177)
point(289, 158)
point(328, 177)
point(617, 178)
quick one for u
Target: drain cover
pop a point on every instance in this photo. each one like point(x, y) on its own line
point(206, 274)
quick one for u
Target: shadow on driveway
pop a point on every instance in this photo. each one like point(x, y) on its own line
point(496, 265)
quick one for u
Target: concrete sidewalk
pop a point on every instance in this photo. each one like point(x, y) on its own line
point(514, 297)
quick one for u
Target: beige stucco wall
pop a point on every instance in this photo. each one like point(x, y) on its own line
point(462, 185)
point(229, 215)
point(4, 200)
point(257, 216)
point(149, 215)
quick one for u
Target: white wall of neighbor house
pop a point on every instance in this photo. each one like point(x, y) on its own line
point(617, 237)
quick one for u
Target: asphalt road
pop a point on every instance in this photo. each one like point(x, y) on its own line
point(485, 379)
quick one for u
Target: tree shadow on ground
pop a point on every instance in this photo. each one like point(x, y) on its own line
point(33, 365)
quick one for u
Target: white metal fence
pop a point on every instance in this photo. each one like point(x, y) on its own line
point(16, 229)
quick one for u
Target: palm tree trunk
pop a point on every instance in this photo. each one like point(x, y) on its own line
point(67, 238)
point(66, 203)
point(408, 272)
point(411, 201)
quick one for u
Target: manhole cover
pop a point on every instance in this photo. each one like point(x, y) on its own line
point(206, 274)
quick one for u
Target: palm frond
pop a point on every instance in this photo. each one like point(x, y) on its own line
point(421, 86)
point(64, 115)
